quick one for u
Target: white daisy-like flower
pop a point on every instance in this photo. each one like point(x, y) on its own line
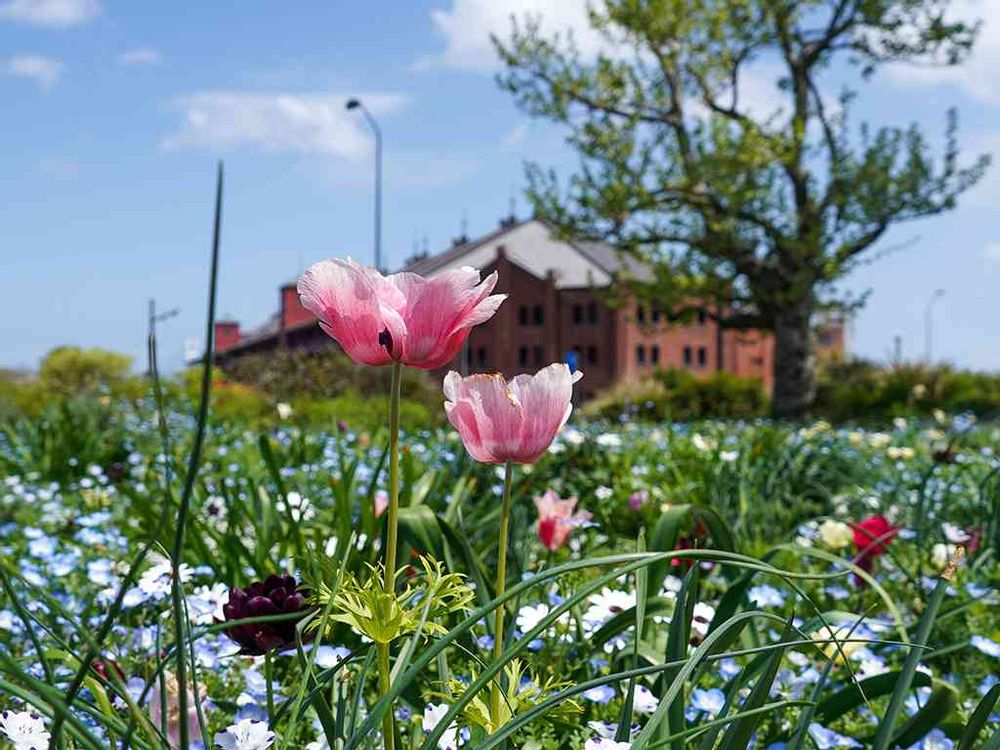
point(644, 702)
point(529, 616)
point(25, 730)
point(248, 734)
point(601, 743)
point(433, 714)
point(607, 604)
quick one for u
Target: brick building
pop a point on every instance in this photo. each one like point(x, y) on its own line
point(555, 312)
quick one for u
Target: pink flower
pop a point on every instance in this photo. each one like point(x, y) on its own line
point(516, 421)
point(174, 711)
point(405, 318)
point(381, 502)
point(556, 519)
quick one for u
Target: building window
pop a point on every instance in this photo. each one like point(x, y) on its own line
point(701, 317)
point(481, 356)
point(539, 356)
point(522, 315)
point(522, 356)
point(688, 356)
point(592, 315)
point(591, 355)
point(640, 314)
point(640, 354)
point(538, 315)
point(655, 313)
point(577, 314)
point(654, 355)
point(757, 361)
point(826, 338)
point(702, 356)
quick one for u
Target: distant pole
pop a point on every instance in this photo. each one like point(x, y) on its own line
point(151, 331)
point(356, 104)
point(150, 336)
point(897, 350)
point(929, 326)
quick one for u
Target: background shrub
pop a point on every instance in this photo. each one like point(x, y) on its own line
point(681, 396)
point(860, 389)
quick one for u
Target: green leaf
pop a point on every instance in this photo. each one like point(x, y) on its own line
point(886, 730)
point(737, 737)
point(677, 647)
point(419, 527)
point(620, 622)
point(979, 718)
point(854, 695)
point(941, 703)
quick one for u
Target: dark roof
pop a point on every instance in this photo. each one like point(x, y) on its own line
point(606, 257)
point(612, 260)
point(431, 263)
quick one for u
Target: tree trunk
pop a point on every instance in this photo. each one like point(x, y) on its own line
point(794, 363)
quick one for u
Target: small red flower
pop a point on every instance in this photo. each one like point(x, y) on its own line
point(873, 535)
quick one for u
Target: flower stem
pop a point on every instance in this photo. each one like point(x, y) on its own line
point(268, 666)
point(391, 542)
point(391, 530)
point(388, 730)
point(501, 585)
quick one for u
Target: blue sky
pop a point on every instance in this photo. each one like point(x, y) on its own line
point(115, 112)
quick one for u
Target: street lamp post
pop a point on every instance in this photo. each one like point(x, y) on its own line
point(356, 104)
point(929, 326)
point(155, 318)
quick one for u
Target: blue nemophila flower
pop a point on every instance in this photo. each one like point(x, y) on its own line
point(827, 739)
point(766, 596)
point(600, 694)
point(984, 644)
point(709, 701)
point(936, 739)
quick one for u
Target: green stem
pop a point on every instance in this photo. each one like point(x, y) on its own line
point(393, 518)
point(388, 730)
point(269, 687)
point(391, 542)
point(501, 586)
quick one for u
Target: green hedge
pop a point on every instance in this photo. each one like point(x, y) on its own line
point(679, 395)
point(860, 390)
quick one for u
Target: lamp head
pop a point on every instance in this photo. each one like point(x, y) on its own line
point(353, 104)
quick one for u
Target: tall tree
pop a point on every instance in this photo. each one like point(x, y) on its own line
point(764, 206)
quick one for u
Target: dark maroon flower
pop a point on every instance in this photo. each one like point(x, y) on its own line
point(101, 667)
point(277, 595)
point(944, 455)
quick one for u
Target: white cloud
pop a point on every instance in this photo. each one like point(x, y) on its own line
point(54, 13)
point(513, 137)
point(991, 253)
point(306, 123)
point(467, 26)
point(42, 70)
point(139, 56)
point(977, 77)
point(58, 167)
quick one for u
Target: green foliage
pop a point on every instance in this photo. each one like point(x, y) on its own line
point(754, 212)
point(384, 617)
point(231, 401)
point(682, 396)
point(858, 389)
point(70, 371)
point(361, 413)
point(68, 437)
point(297, 375)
